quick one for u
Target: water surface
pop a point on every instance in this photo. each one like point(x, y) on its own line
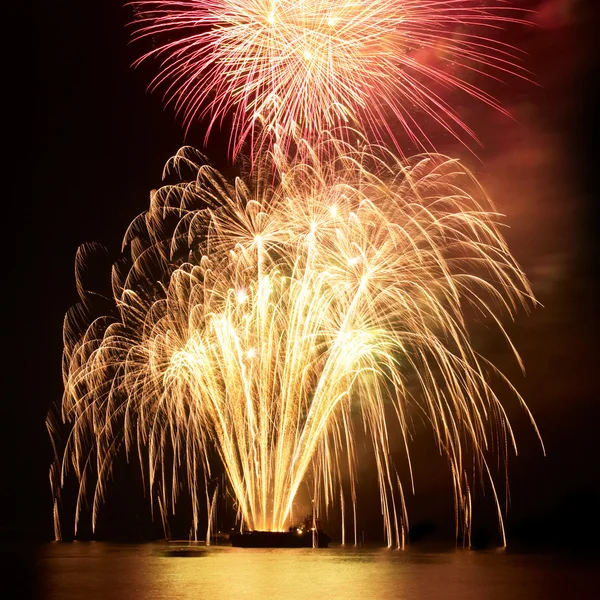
point(102, 571)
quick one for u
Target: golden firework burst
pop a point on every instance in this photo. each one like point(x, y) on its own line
point(259, 322)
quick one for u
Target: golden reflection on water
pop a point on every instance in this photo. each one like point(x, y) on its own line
point(98, 571)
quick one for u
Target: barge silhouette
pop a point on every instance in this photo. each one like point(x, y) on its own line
point(308, 535)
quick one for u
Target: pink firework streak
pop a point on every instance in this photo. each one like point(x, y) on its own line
point(291, 69)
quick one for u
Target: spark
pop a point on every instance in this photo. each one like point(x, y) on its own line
point(268, 353)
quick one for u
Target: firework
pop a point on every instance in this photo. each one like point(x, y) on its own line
point(289, 68)
point(259, 323)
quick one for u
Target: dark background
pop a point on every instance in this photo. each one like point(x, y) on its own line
point(87, 143)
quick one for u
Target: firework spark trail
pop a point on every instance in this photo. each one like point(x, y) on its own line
point(295, 68)
point(260, 322)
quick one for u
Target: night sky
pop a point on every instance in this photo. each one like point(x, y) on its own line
point(90, 144)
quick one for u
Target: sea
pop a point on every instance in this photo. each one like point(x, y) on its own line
point(179, 571)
